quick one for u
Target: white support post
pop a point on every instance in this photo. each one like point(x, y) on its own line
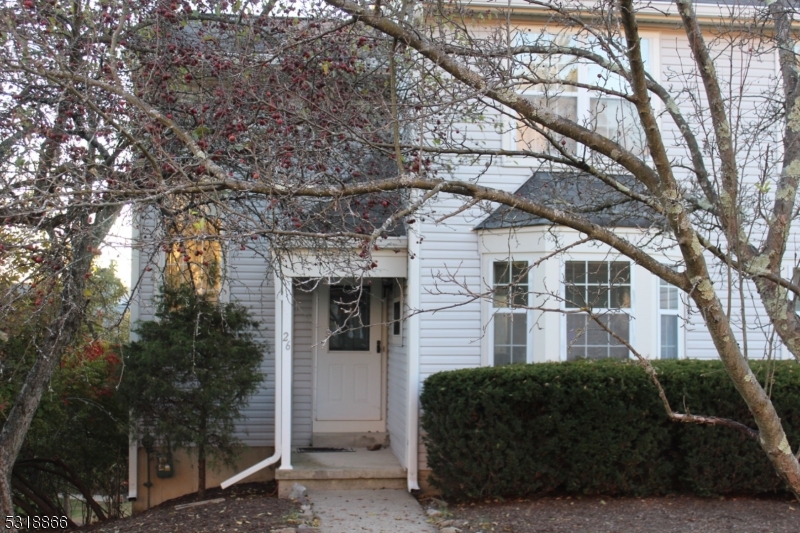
point(285, 307)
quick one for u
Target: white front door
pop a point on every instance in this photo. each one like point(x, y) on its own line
point(349, 370)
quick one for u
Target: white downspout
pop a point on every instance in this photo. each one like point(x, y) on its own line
point(133, 317)
point(133, 468)
point(285, 349)
point(413, 324)
point(279, 304)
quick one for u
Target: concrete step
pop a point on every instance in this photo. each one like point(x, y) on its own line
point(361, 469)
point(348, 440)
point(285, 485)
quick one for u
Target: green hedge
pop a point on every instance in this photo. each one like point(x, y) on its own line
point(597, 428)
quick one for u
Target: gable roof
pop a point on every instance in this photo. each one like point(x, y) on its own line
point(576, 193)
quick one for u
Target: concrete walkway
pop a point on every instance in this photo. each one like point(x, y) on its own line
point(368, 511)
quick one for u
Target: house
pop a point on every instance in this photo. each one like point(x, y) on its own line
point(467, 287)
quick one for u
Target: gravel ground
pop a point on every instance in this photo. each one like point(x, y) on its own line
point(249, 508)
point(677, 514)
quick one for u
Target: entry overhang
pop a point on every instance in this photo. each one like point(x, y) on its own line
point(389, 261)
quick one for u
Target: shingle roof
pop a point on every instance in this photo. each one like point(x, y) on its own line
point(579, 194)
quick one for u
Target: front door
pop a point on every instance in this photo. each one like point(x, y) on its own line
point(349, 380)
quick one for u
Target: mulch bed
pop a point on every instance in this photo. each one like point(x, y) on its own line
point(248, 508)
point(676, 514)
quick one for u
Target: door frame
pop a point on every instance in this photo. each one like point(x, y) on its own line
point(319, 329)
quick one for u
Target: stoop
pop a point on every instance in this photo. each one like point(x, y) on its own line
point(361, 469)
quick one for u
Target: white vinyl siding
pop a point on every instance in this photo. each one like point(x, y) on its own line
point(302, 368)
point(397, 395)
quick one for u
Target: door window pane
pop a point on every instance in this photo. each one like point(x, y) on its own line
point(349, 318)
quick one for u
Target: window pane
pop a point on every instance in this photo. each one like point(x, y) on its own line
point(620, 324)
point(501, 273)
point(510, 284)
point(575, 297)
point(519, 272)
point(520, 329)
point(597, 296)
point(510, 338)
point(668, 296)
point(576, 329)
point(669, 336)
point(563, 106)
point(595, 334)
point(349, 319)
point(575, 272)
point(597, 273)
point(618, 120)
point(547, 66)
point(500, 297)
point(607, 80)
point(502, 355)
point(620, 297)
point(520, 297)
point(588, 339)
point(396, 318)
point(618, 352)
point(620, 273)
point(502, 331)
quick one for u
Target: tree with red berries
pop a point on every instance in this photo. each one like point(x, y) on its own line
point(326, 125)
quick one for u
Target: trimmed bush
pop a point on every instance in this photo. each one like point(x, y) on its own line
point(597, 428)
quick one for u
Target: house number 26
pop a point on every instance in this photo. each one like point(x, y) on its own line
point(286, 340)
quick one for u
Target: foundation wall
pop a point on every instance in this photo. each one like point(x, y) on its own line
point(184, 480)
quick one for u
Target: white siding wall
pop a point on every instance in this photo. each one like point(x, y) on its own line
point(249, 283)
point(398, 384)
point(302, 369)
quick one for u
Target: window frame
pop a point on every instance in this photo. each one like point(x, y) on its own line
point(565, 311)
point(677, 312)
point(493, 310)
point(510, 124)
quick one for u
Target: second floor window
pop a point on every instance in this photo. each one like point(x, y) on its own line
point(563, 84)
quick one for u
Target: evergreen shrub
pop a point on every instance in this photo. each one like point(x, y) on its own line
point(598, 428)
